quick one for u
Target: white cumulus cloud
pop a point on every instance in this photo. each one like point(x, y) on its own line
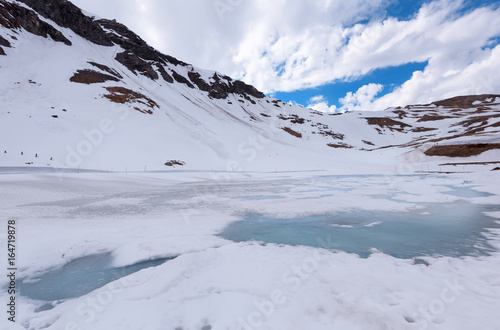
point(289, 45)
point(320, 103)
point(362, 98)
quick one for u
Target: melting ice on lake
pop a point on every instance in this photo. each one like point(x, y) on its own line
point(79, 277)
point(450, 229)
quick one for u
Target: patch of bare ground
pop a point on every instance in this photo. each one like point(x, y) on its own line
point(123, 95)
point(294, 119)
point(461, 150)
point(470, 132)
point(106, 69)
point(433, 118)
point(91, 77)
point(483, 109)
point(325, 131)
point(423, 129)
point(470, 163)
point(337, 136)
point(368, 143)
point(496, 169)
point(339, 145)
point(248, 98)
point(391, 124)
point(481, 120)
point(401, 113)
point(292, 132)
point(465, 101)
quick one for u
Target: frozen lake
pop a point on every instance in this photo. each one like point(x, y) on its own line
point(453, 229)
point(84, 234)
point(79, 277)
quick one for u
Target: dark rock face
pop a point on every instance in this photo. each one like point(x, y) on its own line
point(222, 86)
point(168, 78)
point(196, 78)
point(240, 87)
point(139, 56)
point(182, 79)
point(13, 16)
point(67, 15)
point(106, 69)
point(142, 58)
point(135, 64)
point(4, 42)
point(219, 89)
point(130, 41)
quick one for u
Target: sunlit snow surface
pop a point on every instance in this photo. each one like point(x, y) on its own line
point(126, 221)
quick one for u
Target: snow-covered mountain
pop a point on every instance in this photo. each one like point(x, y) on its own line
point(79, 91)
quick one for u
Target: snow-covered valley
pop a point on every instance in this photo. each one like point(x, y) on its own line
point(143, 192)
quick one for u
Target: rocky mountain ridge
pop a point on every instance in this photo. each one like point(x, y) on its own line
point(137, 55)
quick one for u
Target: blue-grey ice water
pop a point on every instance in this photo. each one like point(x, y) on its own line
point(79, 277)
point(449, 229)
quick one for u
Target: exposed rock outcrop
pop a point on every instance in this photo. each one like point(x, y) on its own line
point(124, 95)
point(106, 69)
point(461, 150)
point(137, 56)
point(137, 65)
point(91, 77)
point(67, 15)
point(13, 16)
point(223, 86)
point(4, 42)
point(465, 101)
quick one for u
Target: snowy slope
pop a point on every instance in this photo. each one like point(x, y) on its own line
point(106, 100)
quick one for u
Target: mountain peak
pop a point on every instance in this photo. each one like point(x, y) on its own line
point(136, 55)
point(67, 15)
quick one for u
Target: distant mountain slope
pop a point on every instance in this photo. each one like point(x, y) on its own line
point(76, 91)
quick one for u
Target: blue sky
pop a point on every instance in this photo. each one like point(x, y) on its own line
point(331, 55)
point(389, 78)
